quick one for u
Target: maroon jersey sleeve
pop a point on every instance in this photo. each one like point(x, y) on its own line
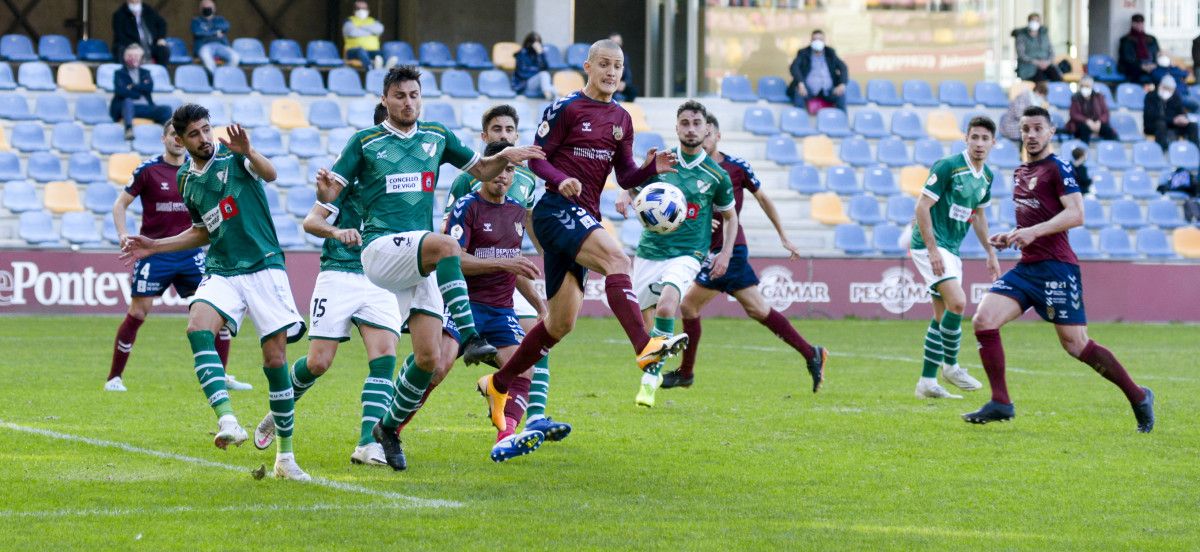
point(626, 167)
point(550, 135)
point(136, 180)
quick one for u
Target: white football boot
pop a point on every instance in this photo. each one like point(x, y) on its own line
point(370, 454)
point(287, 468)
point(958, 376)
point(229, 432)
point(928, 388)
point(234, 385)
point(115, 384)
point(264, 432)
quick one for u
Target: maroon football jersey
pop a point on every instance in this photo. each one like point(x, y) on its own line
point(1037, 189)
point(743, 179)
point(489, 231)
point(163, 212)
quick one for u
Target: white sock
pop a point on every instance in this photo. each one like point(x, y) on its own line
point(649, 379)
point(285, 456)
point(927, 382)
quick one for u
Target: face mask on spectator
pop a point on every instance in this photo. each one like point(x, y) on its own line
point(361, 14)
point(1165, 94)
point(1035, 25)
point(818, 45)
point(1164, 61)
point(1086, 92)
point(206, 12)
point(136, 8)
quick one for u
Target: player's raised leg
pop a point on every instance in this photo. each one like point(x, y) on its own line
point(410, 385)
point(815, 356)
point(1075, 340)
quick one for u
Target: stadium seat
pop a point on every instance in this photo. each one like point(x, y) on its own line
point(109, 138)
point(17, 48)
point(374, 82)
point(37, 228)
point(737, 88)
point(504, 55)
point(1093, 214)
point(1115, 243)
point(305, 143)
point(886, 239)
point(868, 123)
point(20, 196)
point(1187, 242)
point(361, 114)
point(842, 180)
point(104, 76)
point(566, 82)
point(27, 137)
point(400, 50)
point(855, 151)
point(337, 138)
point(833, 123)
point(760, 121)
point(1130, 96)
point(4, 145)
point(907, 125)
point(274, 203)
point(1002, 186)
point(268, 80)
point(1005, 155)
point(121, 166)
point(494, 83)
point(306, 81)
point(85, 167)
point(344, 81)
point(1126, 127)
point(900, 209)
point(286, 52)
point(7, 82)
point(554, 57)
point(827, 209)
point(98, 197)
point(1007, 213)
point(1127, 214)
point(1111, 155)
point(577, 54)
point(1082, 243)
point(52, 108)
point(851, 239)
point(1138, 184)
point(928, 151)
point(290, 235)
point(161, 78)
point(435, 54)
point(457, 84)
point(1152, 243)
point(942, 125)
point(14, 108)
point(75, 77)
point(796, 122)
point(1165, 213)
point(62, 197)
point(880, 181)
point(250, 51)
point(429, 85)
point(300, 201)
point(1103, 68)
point(640, 124)
point(1183, 154)
point(218, 112)
point(918, 93)
point(1059, 94)
point(315, 164)
point(323, 53)
point(854, 95)
point(287, 113)
point(288, 173)
point(818, 151)
point(804, 179)
point(249, 113)
point(178, 51)
point(608, 206)
point(55, 48)
point(643, 141)
point(892, 152)
point(229, 80)
point(954, 94)
point(782, 150)
point(990, 94)
point(443, 113)
point(773, 89)
point(108, 230)
point(68, 138)
point(957, 146)
point(528, 119)
point(970, 247)
point(883, 92)
point(472, 116)
point(192, 79)
point(912, 179)
point(35, 76)
point(325, 115)
point(79, 228)
point(147, 139)
point(94, 50)
point(472, 55)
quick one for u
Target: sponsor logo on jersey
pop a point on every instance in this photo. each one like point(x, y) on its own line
point(410, 182)
point(544, 129)
point(898, 290)
point(229, 208)
point(487, 227)
point(781, 291)
point(587, 126)
point(456, 231)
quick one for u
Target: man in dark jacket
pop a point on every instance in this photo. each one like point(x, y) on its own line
point(1089, 114)
point(1164, 116)
point(1137, 52)
point(138, 23)
point(818, 72)
point(132, 88)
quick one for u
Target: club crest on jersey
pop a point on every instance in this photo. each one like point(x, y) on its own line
point(223, 176)
point(456, 231)
point(693, 210)
point(429, 148)
point(1032, 183)
point(519, 228)
point(618, 132)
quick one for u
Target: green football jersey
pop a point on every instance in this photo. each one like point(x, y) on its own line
point(227, 198)
point(958, 191)
point(706, 186)
point(336, 255)
point(396, 172)
point(523, 185)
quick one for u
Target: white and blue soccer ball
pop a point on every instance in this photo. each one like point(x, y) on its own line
point(661, 207)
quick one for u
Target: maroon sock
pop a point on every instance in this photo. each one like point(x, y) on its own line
point(1104, 363)
point(623, 303)
point(123, 345)
point(537, 344)
point(223, 341)
point(782, 328)
point(424, 397)
point(991, 353)
point(518, 399)
point(691, 327)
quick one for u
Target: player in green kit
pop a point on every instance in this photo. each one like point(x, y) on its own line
point(394, 165)
point(955, 195)
point(222, 188)
point(667, 264)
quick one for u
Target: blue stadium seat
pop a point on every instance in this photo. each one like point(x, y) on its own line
point(250, 51)
point(1138, 184)
point(85, 167)
point(892, 152)
point(737, 88)
point(109, 230)
point(429, 85)
point(760, 121)
point(1130, 96)
point(804, 179)
point(250, 113)
point(900, 209)
point(323, 53)
point(782, 149)
point(796, 122)
point(192, 79)
point(631, 233)
point(928, 151)
point(494, 83)
point(288, 174)
point(315, 164)
point(55, 49)
point(1002, 186)
point(337, 139)
point(268, 141)
point(1082, 243)
point(851, 239)
point(1115, 242)
point(1069, 146)
point(79, 228)
point(273, 201)
point(970, 247)
point(361, 114)
point(918, 93)
point(99, 196)
point(907, 125)
point(1008, 212)
point(286, 52)
point(457, 84)
point(178, 51)
point(344, 81)
point(1005, 155)
point(300, 201)
point(442, 112)
point(400, 50)
point(1111, 155)
point(1127, 214)
point(68, 138)
point(230, 80)
point(1059, 94)
point(577, 54)
point(886, 239)
point(643, 141)
point(957, 146)
point(17, 48)
point(147, 139)
point(529, 119)
point(842, 180)
point(290, 235)
point(44, 166)
point(1093, 213)
point(136, 207)
point(1152, 242)
point(880, 181)
point(10, 166)
point(833, 123)
point(305, 143)
point(608, 205)
point(855, 151)
point(14, 108)
point(854, 95)
point(1164, 213)
point(1103, 68)
point(375, 78)
point(109, 138)
point(472, 55)
point(7, 82)
point(268, 80)
point(554, 57)
point(883, 92)
point(52, 108)
point(435, 54)
point(1183, 154)
point(35, 76)
point(325, 115)
point(868, 123)
point(37, 229)
point(990, 94)
point(1105, 186)
point(773, 89)
point(472, 116)
point(27, 137)
point(1108, 97)
point(1126, 127)
point(104, 76)
point(218, 112)
point(161, 78)
point(20, 196)
point(306, 81)
point(954, 94)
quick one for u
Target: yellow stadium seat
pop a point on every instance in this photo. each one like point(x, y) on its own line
point(502, 55)
point(121, 166)
point(287, 114)
point(640, 124)
point(566, 82)
point(139, 121)
point(912, 179)
point(75, 77)
point(1187, 242)
point(942, 125)
point(4, 146)
point(819, 151)
point(612, 229)
point(1076, 68)
point(1018, 88)
point(827, 208)
point(62, 197)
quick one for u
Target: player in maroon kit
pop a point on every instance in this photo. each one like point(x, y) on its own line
point(584, 135)
point(163, 215)
point(1047, 279)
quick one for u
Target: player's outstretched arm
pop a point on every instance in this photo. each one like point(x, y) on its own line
point(979, 224)
point(140, 247)
point(530, 293)
point(1070, 217)
point(488, 167)
point(328, 188)
point(629, 175)
point(768, 208)
point(119, 206)
point(239, 143)
point(316, 222)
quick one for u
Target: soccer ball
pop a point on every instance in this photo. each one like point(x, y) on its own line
point(660, 207)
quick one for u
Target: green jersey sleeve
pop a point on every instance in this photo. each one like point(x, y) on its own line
point(939, 178)
point(458, 190)
point(456, 153)
point(723, 195)
point(347, 166)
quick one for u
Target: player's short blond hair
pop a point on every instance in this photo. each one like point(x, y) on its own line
point(605, 44)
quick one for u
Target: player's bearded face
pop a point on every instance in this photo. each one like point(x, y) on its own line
point(1035, 134)
point(403, 103)
point(501, 128)
point(198, 140)
point(691, 129)
point(499, 186)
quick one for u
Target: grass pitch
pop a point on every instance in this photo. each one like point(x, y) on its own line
point(748, 458)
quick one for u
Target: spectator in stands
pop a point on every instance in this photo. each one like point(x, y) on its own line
point(1164, 69)
point(1196, 57)
point(1164, 116)
point(1089, 114)
point(138, 23)
point(1137, 52)
point(1035, 54)
point(1079, 160)
point(132, 89)
point(210, 35)
point(1010, 122)
point(361, 33)
point(626, 91)
point(818, 76)
point(530, 73)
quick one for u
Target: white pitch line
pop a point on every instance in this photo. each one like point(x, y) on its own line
point(348, 487)
point(167, 510)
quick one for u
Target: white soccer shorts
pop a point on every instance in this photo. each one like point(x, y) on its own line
point(392, 263)
point(266, 294)
point(649, 277)
point(341, 299)
point(951, 267)
point(522, 306)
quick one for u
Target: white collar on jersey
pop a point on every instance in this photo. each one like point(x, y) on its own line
point(199, 171)
point(388, 125)
point(695, 163)
point(971, 167)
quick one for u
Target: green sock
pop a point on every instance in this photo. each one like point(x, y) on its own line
point(662, 327)
point(933, 350)
point(302, 378)
point(539, 390)
point(454, 293)
point(283, 405)
point(377, 393)
point(951, 336)
point(210, 371)
point(410, 388)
